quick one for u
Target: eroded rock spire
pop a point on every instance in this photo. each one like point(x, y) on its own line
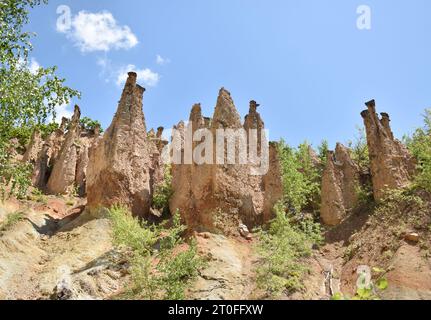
point(340, 180)
point(63, 174)
point(119, 168)
point(392, 166)
point(220, 197)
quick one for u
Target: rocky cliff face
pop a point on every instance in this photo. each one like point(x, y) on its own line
point(60, 161)
point(63, 174)
point(47, 155)
point(340, 180)
point(157, 168)
point(392, 166)
point(33, 148)
point(119, 169)
point(86, 141)
point(272, 183)
point(214, 196)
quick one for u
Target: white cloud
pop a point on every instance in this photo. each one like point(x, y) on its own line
point(145, 76)
point(161, 61)
point(98, 32)
point(61, 112)
point(111, 72)
point(33, 66)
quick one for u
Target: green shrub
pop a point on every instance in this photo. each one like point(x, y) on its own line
point(172, 239)
point(132, 233)
point(282, 249)
point(301, 180)
point(176, 270)
point(90, 124)
point(291, 235)
point(365, 196)
point(312, 174)
point(420, 146)
point(359, 149)
point(323, 152)
point(397, 202)
point(367, 291)
point(162, 273)
point(163, 192)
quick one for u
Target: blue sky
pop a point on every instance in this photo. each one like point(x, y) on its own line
point(304, 61)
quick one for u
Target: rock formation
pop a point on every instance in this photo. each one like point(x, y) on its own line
point(392, 166)
point(340, 180)
point(253, 119)
point(60, 161)
point(63, 173)
point(33, 148)
point(272, 183)
point(85, 142)
point(119, 169)
point(47, 155)
point(314, 158)
point(157, 168)
point(219, 197)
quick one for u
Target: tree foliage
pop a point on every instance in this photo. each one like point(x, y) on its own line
point(163, 192)
point(323, 152)
point(359, 149)
point(420, 146)
point(282, 249)
point(159, 269)
point(300, 177)
point(90, 124)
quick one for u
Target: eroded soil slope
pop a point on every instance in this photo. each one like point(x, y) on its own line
point(44, 256)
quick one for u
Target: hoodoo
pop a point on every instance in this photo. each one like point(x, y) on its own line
point(120, 166)
point(340, 180)
point(220, 197)
point(62, 177)
point(392, 166)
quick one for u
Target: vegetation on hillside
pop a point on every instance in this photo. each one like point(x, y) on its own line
point(359, 153)
point(282, 250)
point(420, 146)
point(161, 263)
point(368, 288)
point(323, 149)
point(300, 177)
point(359, 150)
point(289, 238)
point(163, 192)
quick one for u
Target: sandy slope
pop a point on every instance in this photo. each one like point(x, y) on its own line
point(41, 252)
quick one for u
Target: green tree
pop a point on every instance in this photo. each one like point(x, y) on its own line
point(27, 99)
point(282, 249)
point(420, 146)
point(359, 149)
point(323, 152)
point(90, 124)
point(301, 179)
point(312, 175)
